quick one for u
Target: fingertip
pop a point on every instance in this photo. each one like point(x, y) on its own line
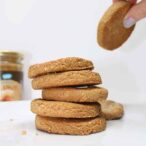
point(129, 22)
point(137, 12)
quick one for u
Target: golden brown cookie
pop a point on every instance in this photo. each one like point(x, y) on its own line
point(70, 126)
point(64, 109)
point(60, 65)
point(70, 78)
point(111, 32)
point(111, 110)
point(70, 94)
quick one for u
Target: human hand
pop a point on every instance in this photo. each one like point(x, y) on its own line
point(136, 13)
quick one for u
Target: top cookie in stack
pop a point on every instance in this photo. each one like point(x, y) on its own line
point(60, 65)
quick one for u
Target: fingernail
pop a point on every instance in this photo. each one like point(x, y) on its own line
point(128, 22)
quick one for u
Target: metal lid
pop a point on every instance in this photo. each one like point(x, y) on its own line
point(11, 55)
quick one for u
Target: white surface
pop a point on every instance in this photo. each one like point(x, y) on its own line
point(129, 131)
point(51, 29)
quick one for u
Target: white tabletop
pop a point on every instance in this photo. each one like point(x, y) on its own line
point(17, 128)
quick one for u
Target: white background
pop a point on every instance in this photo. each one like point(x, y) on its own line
point(49, 29)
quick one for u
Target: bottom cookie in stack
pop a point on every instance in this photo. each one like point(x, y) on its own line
point(70, 126)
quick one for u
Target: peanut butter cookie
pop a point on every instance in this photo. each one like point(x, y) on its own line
point(64, 109)
point(60, 65)
point(70, 94)
point(111, 33)
point(70, 126)
point(111, 110)
point(70, 78)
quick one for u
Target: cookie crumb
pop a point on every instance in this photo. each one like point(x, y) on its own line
point(23, 132)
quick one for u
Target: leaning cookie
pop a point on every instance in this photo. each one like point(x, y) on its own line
point(111, 110)
point(64, 109)
point(70, 126)
point(60, 65)
point(70, 94)
point(111, 33)
point(70, 78)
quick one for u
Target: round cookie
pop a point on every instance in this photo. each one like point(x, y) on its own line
point(60, 65)
point(70, 78)
point(111, 110)
point(64, 109)
point(111, 33)
point(70, 94)
point(70, 126)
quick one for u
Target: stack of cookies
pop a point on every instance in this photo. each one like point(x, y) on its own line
point(71, 103)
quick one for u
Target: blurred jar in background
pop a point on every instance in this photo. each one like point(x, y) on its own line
point(11, 76)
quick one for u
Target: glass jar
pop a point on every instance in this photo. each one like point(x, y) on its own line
point(11, 75)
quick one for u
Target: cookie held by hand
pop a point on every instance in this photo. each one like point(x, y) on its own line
point(111, 33)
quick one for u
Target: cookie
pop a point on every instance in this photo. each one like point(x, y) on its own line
point(111, 110)
point(60, 65)
point(64, 109)
point(70, 94)
point(70, 126)
point(111, 33)
point(70, 78)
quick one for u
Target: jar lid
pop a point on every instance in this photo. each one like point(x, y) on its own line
point(11, 55)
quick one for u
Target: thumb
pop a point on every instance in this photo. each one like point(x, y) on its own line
point(136, 13)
